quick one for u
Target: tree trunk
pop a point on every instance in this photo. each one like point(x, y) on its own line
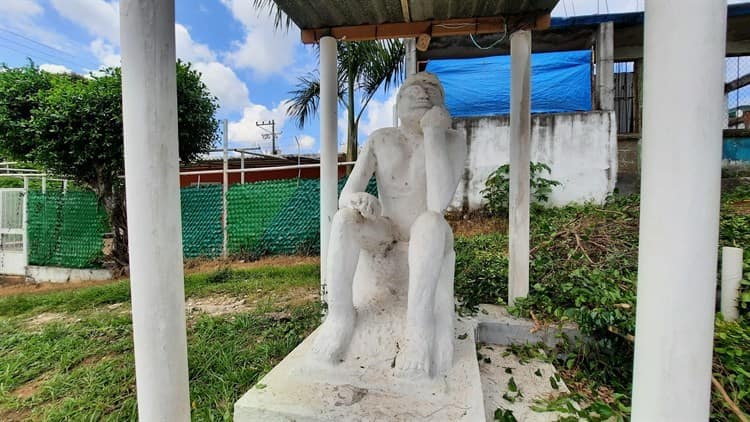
point(113, 199)
point(351, 136)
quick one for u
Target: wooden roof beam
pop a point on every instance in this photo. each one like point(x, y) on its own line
point(405, 10)
point(436, 28)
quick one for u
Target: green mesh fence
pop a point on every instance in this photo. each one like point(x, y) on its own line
point(277, 217)
point(201, 221)
point(65, 229)
point(251, 208)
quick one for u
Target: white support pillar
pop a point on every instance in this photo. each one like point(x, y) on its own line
point(410, 58)
point(242, 166)
point(679, 225)
point(328, 149)
point(149, 96)
point(520, 158)
point(731, 277)
point(605, 66)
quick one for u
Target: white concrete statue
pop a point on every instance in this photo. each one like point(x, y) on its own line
point(417, 167)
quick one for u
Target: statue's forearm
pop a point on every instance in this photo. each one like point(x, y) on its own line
point(440, 168)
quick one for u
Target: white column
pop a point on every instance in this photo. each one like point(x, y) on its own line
point(605, 66)
point(731, 276)
point(328, 149)
point(410, 59)
point(149, 96)
point(680, 188)
point(520, 157)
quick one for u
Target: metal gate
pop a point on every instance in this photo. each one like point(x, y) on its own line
point(13, 249)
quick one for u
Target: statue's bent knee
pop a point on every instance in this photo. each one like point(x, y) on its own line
point(345, 218)
point(430, 221)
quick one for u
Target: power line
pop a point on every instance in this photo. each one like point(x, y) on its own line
point(76, 61)
point(29, 50)
point(37, 42)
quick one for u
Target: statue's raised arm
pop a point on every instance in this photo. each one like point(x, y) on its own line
point(445, 153)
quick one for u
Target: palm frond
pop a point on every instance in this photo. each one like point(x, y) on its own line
point(384, 65)
point(305, 99)
point(280, 19)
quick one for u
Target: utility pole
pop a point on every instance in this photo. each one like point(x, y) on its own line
point(272, 134)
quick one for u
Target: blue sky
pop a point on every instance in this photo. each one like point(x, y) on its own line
point(248, 65)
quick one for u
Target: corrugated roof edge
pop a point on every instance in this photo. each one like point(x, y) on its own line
point(633, 18)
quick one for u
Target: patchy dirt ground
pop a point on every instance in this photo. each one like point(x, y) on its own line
point(741, 207)
point(472, 225)
point(204, 265)
point(49, 317)
point(224, 305)
point(9, 289)
point(15, 285)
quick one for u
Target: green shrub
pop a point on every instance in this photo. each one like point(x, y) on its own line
point(497, 188)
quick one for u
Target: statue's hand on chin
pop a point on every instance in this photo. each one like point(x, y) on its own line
point(367, 205)
point(436, 118)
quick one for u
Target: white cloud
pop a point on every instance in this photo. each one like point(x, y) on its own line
point(264, 49)
point(306, 143)
point(20, 9)
point(188, 49)
point(223, 82)
point(99, 17)
point(105, 52)
point(378, 115)
point(54, 68)
point(21, 15)
point(245, 131)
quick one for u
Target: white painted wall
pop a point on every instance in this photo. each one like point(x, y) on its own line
point(579, 148)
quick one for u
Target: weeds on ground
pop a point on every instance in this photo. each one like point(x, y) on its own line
point(583, 268)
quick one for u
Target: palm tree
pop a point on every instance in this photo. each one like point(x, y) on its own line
point(363, 67)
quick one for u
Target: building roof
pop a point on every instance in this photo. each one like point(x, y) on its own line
point(578, 33)
point(251, 161)
point(375, 19)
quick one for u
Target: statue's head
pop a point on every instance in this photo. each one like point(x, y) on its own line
point(419, 93)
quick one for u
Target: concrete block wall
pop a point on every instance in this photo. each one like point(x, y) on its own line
point(628, 164)
point(579, 148)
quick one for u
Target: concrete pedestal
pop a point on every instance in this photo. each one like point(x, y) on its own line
point(365, 389)
point(364, 386)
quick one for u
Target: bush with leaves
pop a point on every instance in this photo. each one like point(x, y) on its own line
point(72, 126)
point(583, 268)
point(497, 188)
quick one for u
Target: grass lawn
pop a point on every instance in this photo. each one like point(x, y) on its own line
point(68, 355)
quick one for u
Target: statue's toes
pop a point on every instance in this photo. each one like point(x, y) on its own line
point(412, 368)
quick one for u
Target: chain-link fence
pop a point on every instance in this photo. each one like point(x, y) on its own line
point(737, 91)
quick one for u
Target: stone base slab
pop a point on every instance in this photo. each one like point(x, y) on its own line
point(301, 388)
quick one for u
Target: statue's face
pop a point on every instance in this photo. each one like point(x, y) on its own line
point(415, 100)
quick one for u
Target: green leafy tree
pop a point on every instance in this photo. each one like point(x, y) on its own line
point(72, 126)
point(363, 67)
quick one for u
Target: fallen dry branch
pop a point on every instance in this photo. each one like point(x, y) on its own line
point(717, 385)
point(728, 400)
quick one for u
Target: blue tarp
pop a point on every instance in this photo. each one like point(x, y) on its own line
point(560, 82)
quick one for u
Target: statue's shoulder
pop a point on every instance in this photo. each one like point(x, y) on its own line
point(383, 135)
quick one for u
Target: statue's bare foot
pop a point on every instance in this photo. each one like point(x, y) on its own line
point(334, 336)
point(414, 360)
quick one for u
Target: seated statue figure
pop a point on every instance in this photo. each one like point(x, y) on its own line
point(418, 167)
